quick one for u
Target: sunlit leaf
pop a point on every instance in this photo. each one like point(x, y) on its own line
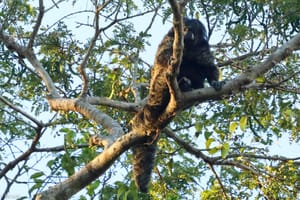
point(209, 142)
point(213, 150)
point(243, 122)
point(225, 150)
point(233, 126)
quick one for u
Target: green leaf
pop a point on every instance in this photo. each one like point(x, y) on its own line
point(130, 195)
point(260, 79)
point(37, 185)
point(198, 127)
point(243, 123)
point(208, 142)
point(36, 175)
point(214, 150)
point(68, 163)
point(233, 126)
point(207, 135)
point(225, 150)
point(92, 187)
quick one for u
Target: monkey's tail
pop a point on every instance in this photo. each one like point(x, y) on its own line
point(143, 163)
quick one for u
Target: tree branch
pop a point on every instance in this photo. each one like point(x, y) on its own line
point(11, 44)
point(174, 66)
point(219, 160)
point(91, 112)
point(25, 155)
point(178, 45)
point(219, 181)
point(81, 68)
point(25, 114)
point(37, 25)
point(189, 148)
point(244, 56)
point(60, 148)
point(126, 106)
point(92, 170)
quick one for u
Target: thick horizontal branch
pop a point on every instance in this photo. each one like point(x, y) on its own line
point(126, 106)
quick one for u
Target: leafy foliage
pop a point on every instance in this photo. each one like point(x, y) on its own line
point(239, 131)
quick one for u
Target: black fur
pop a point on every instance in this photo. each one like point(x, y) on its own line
point(198, 61)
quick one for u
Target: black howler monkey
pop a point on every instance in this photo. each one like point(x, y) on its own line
point(198, 61)
point(196, 66)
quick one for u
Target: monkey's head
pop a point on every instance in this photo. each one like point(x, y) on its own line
point(194, 33)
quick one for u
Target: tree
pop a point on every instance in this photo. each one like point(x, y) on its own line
point(75, 73)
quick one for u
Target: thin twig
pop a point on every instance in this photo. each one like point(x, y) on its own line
point(81, 68)
point(14, 179)
point(37, 25)
point(189, 148)
point(219, 181)
point(243, 57)
point(25, 114)
point(25, 155)
point(135, 60)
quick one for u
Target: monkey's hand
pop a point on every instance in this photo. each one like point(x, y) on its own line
point(217, 85)
point(185, 84)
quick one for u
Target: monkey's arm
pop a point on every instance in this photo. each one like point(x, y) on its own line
point(205, 59)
